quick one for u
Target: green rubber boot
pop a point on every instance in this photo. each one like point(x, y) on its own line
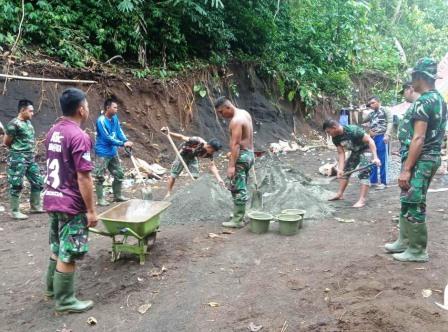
point(118, 196)
point(15, 212)
point(401, 244)
point(50, 274)
point(35, 203)
point(64, 294)
point(237, 220)
point(101, 201)
point(418, 238)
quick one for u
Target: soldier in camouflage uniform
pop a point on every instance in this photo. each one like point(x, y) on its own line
point(241, 157)
point(354, 139)
point(421, 134)
point(20, 139)
point(191, 149)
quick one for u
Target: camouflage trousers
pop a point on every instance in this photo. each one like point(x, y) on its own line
point(359, 159)
point(192, 164)
point(238, 185)
point(68, 236)
point(112, 164)
point(413, 201)
point(22, 165)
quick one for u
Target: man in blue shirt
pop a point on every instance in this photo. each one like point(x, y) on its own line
point(109, 137)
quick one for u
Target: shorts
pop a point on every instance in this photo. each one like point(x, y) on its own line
point(68, 236)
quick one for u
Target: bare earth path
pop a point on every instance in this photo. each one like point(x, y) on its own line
point(331, 277)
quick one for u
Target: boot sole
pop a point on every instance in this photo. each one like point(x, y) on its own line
point(395, 251)
point(415, 260)
point(73, 311)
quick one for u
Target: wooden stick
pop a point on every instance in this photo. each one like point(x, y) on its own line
point(179, 156)
point(43, 79)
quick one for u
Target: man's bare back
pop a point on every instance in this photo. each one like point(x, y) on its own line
point(243, 121)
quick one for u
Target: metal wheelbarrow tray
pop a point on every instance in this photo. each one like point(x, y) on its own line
point(136, 218)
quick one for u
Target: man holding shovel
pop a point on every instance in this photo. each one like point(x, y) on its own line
point(109, 137)
point(354, 139)
point(191, 149)
point(241, 156)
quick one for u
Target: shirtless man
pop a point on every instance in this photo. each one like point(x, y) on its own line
point(241, 157)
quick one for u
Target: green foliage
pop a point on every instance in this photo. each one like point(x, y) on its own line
point(310, 47)
point(200, 90)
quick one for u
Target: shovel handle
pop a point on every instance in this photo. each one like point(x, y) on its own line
point(179, 155)
point(358, 169)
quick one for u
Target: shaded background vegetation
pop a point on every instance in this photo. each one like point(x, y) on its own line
point(309, 47)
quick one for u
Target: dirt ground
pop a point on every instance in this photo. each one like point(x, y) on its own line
point(332, 276)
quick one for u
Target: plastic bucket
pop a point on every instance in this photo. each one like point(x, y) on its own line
point(288, 223)
point(296, 212)
point(259, 222)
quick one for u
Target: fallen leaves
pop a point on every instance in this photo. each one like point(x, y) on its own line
point(91, 321)
point(213, 304)
point(426, 293)
point(344, 221)
point(158, 273)
point(144, 308)
point(213, 235)
point(254, 328)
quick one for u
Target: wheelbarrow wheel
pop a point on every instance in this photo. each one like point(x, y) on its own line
point(150, 240)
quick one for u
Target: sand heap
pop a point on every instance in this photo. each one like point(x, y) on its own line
point(283, 188)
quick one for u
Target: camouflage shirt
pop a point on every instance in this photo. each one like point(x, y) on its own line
point(351, 139)
point(22, 133)
point(380, 121)
point(194, 147)
point(432, 109)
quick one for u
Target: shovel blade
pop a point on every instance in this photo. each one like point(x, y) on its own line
point(257, 200)
point(146, 194)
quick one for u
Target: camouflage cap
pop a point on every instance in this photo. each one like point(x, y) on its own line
point(427, 66)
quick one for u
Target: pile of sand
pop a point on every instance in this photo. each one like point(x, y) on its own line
point(282, 188)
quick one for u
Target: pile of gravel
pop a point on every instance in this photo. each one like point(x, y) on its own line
point(282, 188)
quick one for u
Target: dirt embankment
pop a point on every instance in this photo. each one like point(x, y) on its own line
point(148, 104)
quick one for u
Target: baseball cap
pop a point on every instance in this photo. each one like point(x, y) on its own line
point(426, 66)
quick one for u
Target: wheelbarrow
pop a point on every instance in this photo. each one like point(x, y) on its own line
point(135, 218)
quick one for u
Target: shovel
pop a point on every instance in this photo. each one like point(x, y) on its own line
point(329, 180)
point(256, 196)
point(145, 191)
point(178, 155)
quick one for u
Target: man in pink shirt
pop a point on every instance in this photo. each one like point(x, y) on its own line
point(68, 199)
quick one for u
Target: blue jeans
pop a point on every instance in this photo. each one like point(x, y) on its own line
point(382, 151)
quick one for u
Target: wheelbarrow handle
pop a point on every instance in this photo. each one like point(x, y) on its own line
point(128, 150)
point(130, 231)
point(97, 231)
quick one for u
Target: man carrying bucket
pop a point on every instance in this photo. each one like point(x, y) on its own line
point(354, 139)
point(68, 199)
point(241, 156)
